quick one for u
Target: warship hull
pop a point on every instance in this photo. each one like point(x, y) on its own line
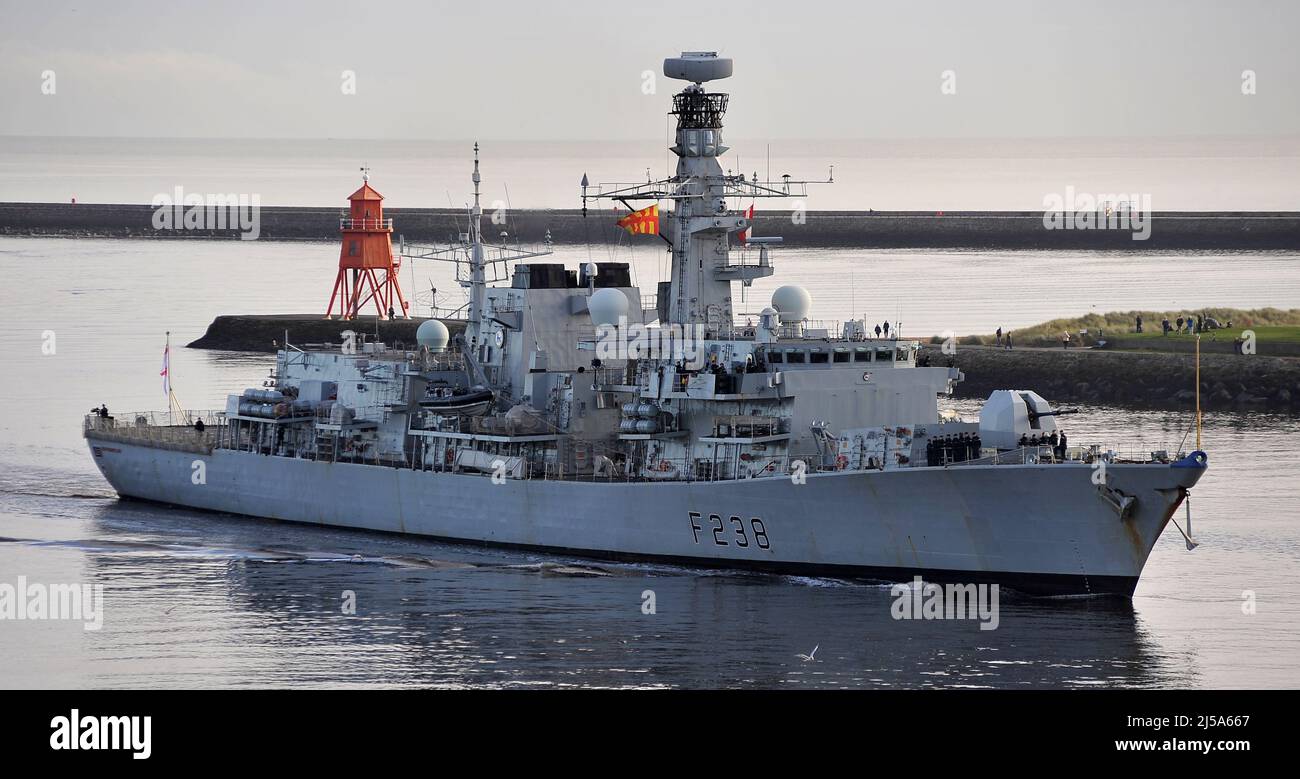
point(1040, 529)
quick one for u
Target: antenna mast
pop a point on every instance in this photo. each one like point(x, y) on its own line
point(477, 278)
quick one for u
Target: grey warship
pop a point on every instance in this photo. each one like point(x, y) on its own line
point(577, 415)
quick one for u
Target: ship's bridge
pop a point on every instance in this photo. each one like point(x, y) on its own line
point(879, 353)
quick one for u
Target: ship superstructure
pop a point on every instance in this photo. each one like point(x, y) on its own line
point(570, 413)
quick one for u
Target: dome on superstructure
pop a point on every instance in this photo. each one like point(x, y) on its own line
point(606, 305)
point(792, 303)
point(433, 334)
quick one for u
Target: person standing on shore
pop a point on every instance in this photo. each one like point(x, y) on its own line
point(1008, 340)
point(1164, 325)
point(1065, 339)
point(999, 335)
point(1139, 323)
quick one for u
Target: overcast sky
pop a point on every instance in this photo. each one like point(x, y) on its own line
point(573, 70)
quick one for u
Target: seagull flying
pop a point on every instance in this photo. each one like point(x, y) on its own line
point(810, 656)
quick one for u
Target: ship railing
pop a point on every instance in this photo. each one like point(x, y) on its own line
point(1047, 454)
point(348, 223)
point(686, 470)
point(160, 429)
point(794, 465)
point(1126, 453)
point(832, 330)
point(443, 312)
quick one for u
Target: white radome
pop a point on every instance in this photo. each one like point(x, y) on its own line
point(792, 303)
point(433, 334)
point(606, 305)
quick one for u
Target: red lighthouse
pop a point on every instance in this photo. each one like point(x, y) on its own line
point(367, 266)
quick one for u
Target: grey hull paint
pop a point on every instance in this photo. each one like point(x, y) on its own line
point(1039, 528)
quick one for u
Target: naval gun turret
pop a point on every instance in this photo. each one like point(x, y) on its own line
point(1009, 415)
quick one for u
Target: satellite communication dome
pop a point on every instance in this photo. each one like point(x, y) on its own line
point(606, 305)
point(433, 334)
point(792, 303)
point(698, 66)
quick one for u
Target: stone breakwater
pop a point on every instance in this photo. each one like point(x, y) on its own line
point(266, 332)
point(1139, 379)
point(849, 229)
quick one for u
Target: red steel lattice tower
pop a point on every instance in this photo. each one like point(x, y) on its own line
point(367, 266)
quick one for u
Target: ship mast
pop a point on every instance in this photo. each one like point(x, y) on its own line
point(477, 264)
point(477, 279)
point(699, 225)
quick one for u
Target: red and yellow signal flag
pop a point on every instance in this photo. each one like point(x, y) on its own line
point(642, 222)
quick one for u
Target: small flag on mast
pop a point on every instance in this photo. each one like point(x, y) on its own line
point(743, 235)
point(166, 369)
point(642, 222)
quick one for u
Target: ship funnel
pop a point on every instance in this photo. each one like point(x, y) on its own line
point(698, 66)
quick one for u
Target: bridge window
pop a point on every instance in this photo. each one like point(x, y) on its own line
point(862, 355)
point(794, 357)
point(776, 357)
point(820, 357)
point(842, 355)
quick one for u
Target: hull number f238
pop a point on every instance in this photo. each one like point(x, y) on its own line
point(732, 531)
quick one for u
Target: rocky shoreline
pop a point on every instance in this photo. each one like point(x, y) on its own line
point(1143, 379)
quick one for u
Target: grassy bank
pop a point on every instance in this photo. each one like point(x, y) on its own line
point(1272, 326)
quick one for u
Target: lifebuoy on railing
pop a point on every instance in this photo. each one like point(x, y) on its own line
point(841, 462)
point(665, 466)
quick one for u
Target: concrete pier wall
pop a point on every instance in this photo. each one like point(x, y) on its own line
point(266, 332)
point(856, 229)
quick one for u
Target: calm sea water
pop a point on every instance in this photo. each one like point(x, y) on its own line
point(1189, 174)
point(204, 600)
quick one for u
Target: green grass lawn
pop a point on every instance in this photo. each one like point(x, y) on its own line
point(1271, 326)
